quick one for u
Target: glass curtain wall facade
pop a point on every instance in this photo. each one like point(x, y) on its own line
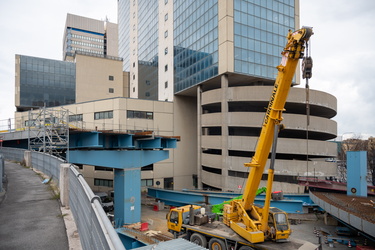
point(124, 32)
point(45, 81)
point(148, 49)
point(195, 42)
point(259, 32)
point(260, 28)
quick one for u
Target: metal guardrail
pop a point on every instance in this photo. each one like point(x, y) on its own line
point(94, 227)
point(47, 164)
point(13, 154)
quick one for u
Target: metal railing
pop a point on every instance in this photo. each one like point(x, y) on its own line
point(94, 227)
point(47, 164)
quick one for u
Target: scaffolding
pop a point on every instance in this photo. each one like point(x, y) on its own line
point(48, 131)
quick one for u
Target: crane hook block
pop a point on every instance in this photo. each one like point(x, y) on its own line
point(307, 64)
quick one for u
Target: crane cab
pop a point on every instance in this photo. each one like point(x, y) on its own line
point(278, 225)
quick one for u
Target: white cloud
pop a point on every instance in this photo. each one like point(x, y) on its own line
point(36, 28)
point(342, 48)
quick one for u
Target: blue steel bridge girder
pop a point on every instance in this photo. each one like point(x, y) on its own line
point(127, 154)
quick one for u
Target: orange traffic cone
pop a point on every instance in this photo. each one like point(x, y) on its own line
point(349, 244)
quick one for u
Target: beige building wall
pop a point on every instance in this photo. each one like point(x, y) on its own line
point(165, 51)
point(181, 164)
point(111, 30)
point(125, 84)
point(97, 77)
point(294, 147)
point(185, 156)
point(133, 84)
point(226, 36)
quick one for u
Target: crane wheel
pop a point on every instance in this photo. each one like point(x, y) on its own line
point(198, 239)
point(216, 244)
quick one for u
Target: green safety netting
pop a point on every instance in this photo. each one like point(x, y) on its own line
point(218, 208)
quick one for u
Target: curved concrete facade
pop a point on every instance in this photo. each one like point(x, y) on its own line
point(230, 123)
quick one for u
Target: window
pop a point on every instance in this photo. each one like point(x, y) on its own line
point(133, 89)
point(147, 182)
point(133, 77)
point(166, 84)
point(166, 34)
point(30, 123)
point(140, 114)
point(166, 17)
point(166, 68)
point(165, 1)
point(103, 169)
point(148, 82)
point(133, 64)
point(148, 168)
point(103, 115)
point(111, 78)
point(166, 51)
point(76, 118)
point(111, 90)
point(103, 182)
point(147, 94)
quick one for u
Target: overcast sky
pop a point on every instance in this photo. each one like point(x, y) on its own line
point(343, 49)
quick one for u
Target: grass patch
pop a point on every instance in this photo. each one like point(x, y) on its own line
point(56, 196)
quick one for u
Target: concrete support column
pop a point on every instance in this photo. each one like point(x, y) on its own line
point(199, 137)
point(27, 158)
point(64, 184)
point(224, 131)
point(127, 189)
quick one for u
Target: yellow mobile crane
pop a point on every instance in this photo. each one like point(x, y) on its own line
point(242, 217)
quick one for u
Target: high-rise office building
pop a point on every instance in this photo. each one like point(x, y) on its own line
point(171, 46)
point(216, 60)
point(90, 36)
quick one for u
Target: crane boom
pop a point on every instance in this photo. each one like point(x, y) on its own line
point(292, 52)
point(248, 220)
point(241, 216)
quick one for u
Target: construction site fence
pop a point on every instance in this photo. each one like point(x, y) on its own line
point(94, 227)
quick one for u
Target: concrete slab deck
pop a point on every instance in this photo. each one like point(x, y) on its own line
point(30, 218)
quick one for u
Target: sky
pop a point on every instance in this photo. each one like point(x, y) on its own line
point(342, 48)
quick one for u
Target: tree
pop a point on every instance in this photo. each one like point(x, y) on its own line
point(357, 144)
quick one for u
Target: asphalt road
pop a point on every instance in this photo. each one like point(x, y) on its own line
point(29, 216)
